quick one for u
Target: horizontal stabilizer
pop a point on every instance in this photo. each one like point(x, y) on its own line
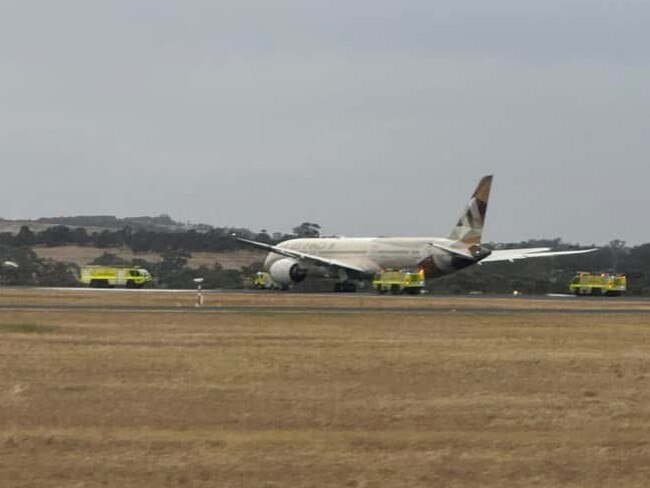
point(537, 252)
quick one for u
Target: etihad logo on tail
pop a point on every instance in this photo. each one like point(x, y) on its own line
point(469, 228)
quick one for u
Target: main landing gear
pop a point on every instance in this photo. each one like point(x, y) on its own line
point(345, 286)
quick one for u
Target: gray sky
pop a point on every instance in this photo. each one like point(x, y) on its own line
point(371, 117)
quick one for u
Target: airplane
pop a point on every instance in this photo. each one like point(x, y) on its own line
point(353, 259)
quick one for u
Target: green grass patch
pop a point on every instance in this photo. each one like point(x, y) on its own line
point(28, 328)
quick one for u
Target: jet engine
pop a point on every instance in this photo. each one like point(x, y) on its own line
point(287, 271)
point(479, 252)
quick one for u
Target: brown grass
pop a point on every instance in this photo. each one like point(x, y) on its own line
point(312, 400)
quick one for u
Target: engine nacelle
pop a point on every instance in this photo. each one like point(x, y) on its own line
point(480, 252)
point(287, 271)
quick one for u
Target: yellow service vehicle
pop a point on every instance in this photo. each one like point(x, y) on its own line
point(112, 276)
point(398, 282)
point(609, 284)
point(263, 281)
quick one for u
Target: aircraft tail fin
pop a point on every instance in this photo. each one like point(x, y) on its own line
point(469, 228)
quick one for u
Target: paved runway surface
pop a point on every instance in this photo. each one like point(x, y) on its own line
point(360, 303)
point(318, 310)
point(365, 294)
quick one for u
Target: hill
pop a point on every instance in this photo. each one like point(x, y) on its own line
point(97, 223)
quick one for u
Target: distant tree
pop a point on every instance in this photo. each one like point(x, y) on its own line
point(80, 236)
point(33, 271)
point(109, 259)
point(25, 237)
point(617, 249)
point(307, 229)
point(58, 235)
point(253, 268)
point(172, 262)
point(263, 236)
point(217, 277)
point(106, 238)
point(58, 274)
point(278, 237)
point(7, 239)
point(142, 263)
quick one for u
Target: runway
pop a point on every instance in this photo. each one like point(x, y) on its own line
point(365, 294)
point(320, 311)
point(262, 302)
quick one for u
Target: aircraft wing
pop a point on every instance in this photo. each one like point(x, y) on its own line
point(537, 252)
point(301, 256)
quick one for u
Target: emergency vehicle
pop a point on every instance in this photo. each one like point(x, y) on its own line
point(112, 276)
point(610, 284)
point(397, 282)
point(263, 281)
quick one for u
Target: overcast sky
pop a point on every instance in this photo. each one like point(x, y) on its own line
point(370, 117)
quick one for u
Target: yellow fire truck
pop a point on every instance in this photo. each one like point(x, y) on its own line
point(609, 284)
point(112, 276)
point(398, 282)
point(263, 281)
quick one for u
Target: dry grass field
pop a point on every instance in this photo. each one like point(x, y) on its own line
point(267, 399)
point(83, 255)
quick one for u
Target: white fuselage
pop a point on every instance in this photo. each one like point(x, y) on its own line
point(373, 253)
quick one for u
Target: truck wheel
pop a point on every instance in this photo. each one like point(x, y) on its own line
point(130, 284)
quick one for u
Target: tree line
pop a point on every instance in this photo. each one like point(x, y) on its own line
point(171, 270)
point(145, 240)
